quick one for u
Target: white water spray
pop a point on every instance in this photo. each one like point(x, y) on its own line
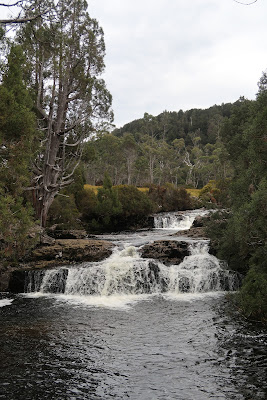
point(125, 273)
point(178, 222)
point(201, 272)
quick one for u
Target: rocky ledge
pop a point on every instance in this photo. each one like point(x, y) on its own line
point(67, 251)
point(197, 230)
point(167, 251)
point(61, 252)
point(194, 233)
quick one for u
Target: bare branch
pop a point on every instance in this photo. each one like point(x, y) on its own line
point(245, 4)
point(62, 195)
point(71, 174)
point(11, 5)
point(20, 20)
point(76, 143)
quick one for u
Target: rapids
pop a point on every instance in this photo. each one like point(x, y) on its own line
point(132, 328)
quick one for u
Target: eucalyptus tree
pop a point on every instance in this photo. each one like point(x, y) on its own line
point(129, 149)
point(109, 158)
point(65, 53)
point(179, 150)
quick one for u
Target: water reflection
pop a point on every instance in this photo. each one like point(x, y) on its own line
point(243, 350)
point(158, 349)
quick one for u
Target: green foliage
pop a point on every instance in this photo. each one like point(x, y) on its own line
point(157, 194)
point(253, 294)
point(176, 199)
point(134, 202)
point(64, 213)
point(107, 183)
point(111, 209)
point(241, 238)
point(108, 205)
point(15, 223)
point(86, 202)
point(170, 198)
point(78, 181)
point(17, 130)
point(181, 148)
point(65, 53)
point(206, 193)
point(215, 192)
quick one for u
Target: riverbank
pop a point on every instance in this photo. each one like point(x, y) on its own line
point(59, 252)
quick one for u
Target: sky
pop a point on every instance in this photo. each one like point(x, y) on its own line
point(180, 54)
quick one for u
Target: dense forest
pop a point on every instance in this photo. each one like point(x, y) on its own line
point(183, 148)
point(56, 136)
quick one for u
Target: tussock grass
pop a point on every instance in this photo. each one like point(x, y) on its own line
point(143, 189)
point(92, 187)
point(95, 188)
point(193, 192)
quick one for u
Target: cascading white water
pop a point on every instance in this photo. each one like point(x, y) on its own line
point(178, 222)
point(201, 272)
point(126, 273)
point(122, 273)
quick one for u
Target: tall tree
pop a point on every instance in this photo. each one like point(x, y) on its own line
point(17, 132)
point(66, 58)
point(129, 148)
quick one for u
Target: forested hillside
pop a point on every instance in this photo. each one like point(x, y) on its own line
point(183, 148)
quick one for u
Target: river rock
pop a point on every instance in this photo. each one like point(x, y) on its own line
point(67, 233)
point(199, 221)
point(62, 252)
point(72, 250)
point(167, 251)
point(194, 233)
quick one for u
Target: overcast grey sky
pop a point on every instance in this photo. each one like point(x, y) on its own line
point(180, 54)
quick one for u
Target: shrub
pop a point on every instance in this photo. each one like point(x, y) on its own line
point(134, 202)
point(86, 202)
point(64, 212)
point(253, 294)
point(176, 199)
point(156, 194)
point(170, 198)
point(215, 192)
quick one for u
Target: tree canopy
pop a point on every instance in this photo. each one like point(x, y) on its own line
point(65, 59)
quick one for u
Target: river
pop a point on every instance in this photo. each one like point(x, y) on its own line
point(131, 328)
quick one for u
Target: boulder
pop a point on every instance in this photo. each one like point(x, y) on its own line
point(71, 251)
point(167, 251)
point(198, 222)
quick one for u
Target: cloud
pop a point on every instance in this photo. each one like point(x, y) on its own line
point(167, 54)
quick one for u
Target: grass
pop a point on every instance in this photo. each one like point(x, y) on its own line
point(192, 192)
point(92, 187)
point(95, 188)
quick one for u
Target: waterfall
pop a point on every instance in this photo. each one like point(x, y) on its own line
point(179, 222)
point(201, 272)
point(126, 273)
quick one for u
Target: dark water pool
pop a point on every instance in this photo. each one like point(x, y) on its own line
point(184, 348)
